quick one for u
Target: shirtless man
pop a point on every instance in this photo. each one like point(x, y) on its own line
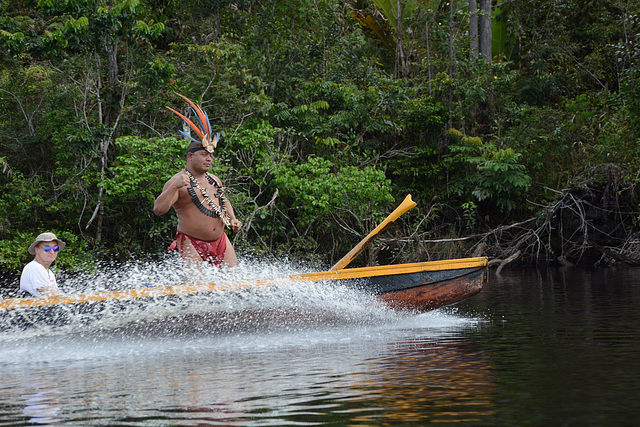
point(198, 199)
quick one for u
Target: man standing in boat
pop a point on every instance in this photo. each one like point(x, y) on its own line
point(198, 199)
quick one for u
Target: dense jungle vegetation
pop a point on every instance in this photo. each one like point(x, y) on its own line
point(330, 112)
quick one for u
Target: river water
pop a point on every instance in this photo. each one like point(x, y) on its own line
point(535, 347)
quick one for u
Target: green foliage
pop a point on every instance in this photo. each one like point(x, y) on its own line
point(390, 9)
point(317, 188)
point(470, 212)
point(487, 172)
point(11, 42)
point(78, 26)
point(13, 251)
point(14, 255)
point(143, 166)
point(27, 211)
point(305, 97)
point(137, 177)
point(422, 114)
point(24, 205)
point(341, 121)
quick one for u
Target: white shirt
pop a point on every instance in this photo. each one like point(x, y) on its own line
point(35, 276)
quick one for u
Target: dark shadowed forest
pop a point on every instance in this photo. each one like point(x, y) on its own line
point(514, 125)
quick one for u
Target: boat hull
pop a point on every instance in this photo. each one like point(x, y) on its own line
point(418, 287)
point(432, 295)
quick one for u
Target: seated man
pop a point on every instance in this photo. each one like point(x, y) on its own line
point(37, 279)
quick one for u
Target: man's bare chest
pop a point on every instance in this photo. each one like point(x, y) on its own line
point(207, 197)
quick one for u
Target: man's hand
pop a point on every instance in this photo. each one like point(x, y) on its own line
point(170, 193)
point(48, 291)
point(235, 225)
point(179, 180)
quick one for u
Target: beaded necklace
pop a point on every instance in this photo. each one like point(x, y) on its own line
point(214, 210)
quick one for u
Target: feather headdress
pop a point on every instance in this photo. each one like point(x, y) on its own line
point(207, 142)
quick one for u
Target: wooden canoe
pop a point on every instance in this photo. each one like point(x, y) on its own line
point(417, 286)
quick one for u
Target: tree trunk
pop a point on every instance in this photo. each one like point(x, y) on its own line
point(111, 105)
point(113, 91)
point(402, 60)
point(473, 28)
point(485, 29)
point(426, 31)
point(451, 47)
point(104, 149)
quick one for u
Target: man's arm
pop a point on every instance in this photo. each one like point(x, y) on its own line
point(37, 282)
point(235, 224)
point(170, 193)
point(48, 291)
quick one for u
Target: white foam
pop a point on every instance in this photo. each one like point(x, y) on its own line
point(284, 307)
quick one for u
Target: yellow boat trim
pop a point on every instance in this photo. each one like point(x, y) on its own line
point(186, 289)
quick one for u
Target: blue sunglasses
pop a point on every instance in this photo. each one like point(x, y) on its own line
point(48, 248)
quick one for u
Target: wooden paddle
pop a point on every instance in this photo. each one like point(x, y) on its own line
point(406, 204)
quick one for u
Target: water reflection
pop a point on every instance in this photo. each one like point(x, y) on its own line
point(40, 397)
point(446, 378)
point(535, 347)
point(398, 368)
point(365, 381)
point(291, 353)
point(564, 344)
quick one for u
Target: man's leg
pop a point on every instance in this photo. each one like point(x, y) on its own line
point(230, 258)
point(190, 257)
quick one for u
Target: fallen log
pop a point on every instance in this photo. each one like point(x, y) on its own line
point(502, 262)
point(612, 254)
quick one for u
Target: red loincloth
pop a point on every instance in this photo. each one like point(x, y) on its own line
point(212, 252)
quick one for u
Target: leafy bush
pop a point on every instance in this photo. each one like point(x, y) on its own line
point(486, 172)
point(14, 255)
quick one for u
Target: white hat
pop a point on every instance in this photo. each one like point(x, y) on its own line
point(46, 237)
